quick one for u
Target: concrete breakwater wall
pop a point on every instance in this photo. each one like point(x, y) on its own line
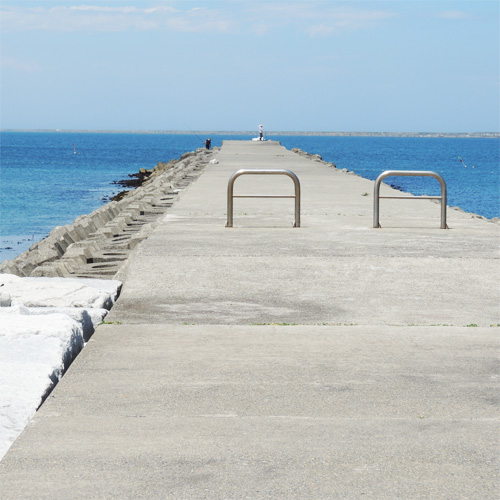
point(96, 245)
point(49, 308)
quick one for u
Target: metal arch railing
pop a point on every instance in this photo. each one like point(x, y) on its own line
point(423, 173)
point(230, 190)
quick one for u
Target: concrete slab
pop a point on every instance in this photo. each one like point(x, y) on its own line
point(203, 388)
point(335, 268)
point(165, 411)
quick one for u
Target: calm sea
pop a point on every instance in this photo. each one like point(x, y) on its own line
point(48, 179)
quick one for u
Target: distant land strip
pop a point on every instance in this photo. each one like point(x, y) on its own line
point(481, 135)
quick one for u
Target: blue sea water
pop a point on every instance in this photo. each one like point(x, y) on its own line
point(473, 184)
point(48, 179)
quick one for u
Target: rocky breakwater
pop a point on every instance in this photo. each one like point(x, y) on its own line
point(315, 157)
point(96, 245)
point(53, 296)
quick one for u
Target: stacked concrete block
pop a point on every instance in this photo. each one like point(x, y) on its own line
point(314, 157)
point(84, 226)
point(95, 245)
point(143, 233)
point(82, 251)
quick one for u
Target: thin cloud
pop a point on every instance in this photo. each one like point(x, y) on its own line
point(112, 19)
point(316, 19)
point(452, 14)
point(123, 10)
point(19, 65)
point(199, 20)
point(320, 30)
point(348, 20)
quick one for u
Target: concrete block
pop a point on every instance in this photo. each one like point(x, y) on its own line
point(80, 249)
point(141, 235)
point(115, 207)
point(105, 231)
point(60, 247)
point(97, 220)
point(43, 253)
point(81, 231)
point(85, 226)
point(124, 218)
point(10, 267)
point(47, 270)
point(99, 240)
point(106, 211)
point(187, 155)
point(70, 234)
point(63, 238)
point(79, 259)
point(115, 228)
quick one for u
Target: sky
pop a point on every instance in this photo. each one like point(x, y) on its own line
point(229, 65)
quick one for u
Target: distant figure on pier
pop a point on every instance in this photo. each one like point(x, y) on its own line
point(261, 135)
point(208, 143)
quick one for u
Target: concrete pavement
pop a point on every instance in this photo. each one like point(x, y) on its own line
point(332, 360)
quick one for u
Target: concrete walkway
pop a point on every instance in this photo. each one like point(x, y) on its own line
point(264, 361)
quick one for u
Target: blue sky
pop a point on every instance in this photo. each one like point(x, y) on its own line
point(402, 66)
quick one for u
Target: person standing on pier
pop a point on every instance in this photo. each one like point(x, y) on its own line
point(261, 135)
point(208, 143)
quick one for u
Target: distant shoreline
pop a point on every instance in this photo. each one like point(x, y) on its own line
point(473, 135)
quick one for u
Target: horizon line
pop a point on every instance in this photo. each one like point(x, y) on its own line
point(273, 132)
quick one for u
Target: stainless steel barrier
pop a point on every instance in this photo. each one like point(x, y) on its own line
point(422, 173)
point(230, 189)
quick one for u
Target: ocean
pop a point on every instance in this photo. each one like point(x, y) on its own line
point(48, 179)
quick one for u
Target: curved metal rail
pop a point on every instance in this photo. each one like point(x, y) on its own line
point(416, 173)
point(230, 190)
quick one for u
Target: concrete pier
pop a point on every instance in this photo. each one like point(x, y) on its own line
point(264, 361)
